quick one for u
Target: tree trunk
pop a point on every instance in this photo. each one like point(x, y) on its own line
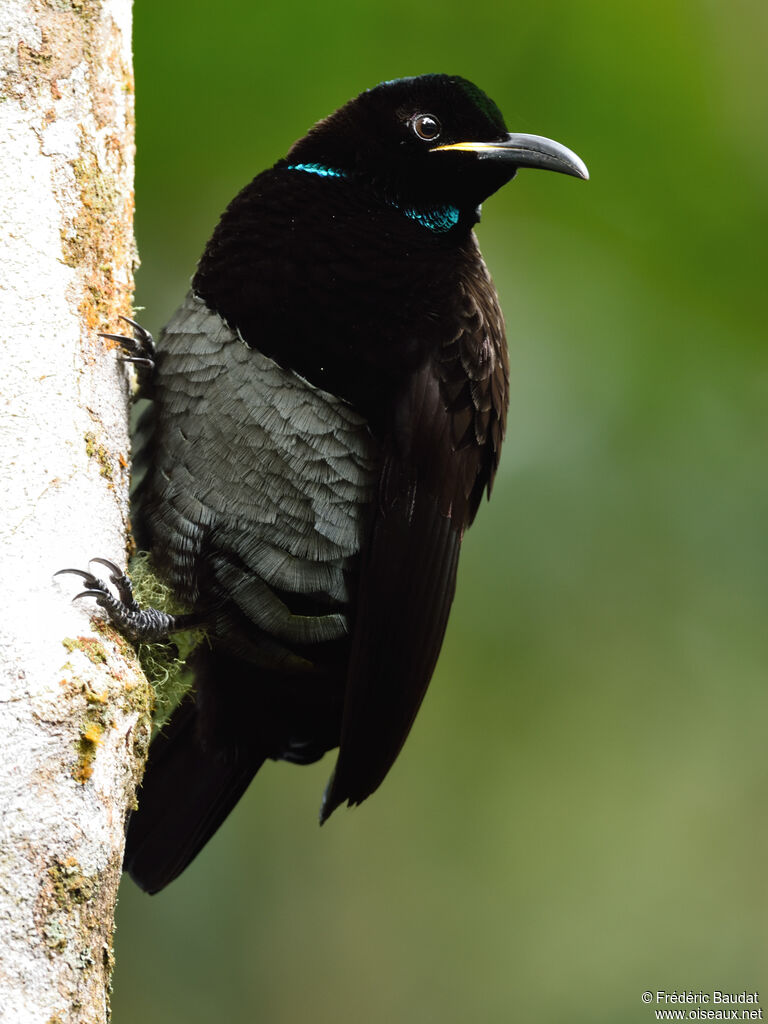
point(73, 704)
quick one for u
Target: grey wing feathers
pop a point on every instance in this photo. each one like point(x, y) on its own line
point(269, 474)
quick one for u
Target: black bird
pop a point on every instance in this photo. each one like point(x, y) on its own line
point(328, 409)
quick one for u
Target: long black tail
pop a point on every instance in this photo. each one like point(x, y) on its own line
point(187, 792)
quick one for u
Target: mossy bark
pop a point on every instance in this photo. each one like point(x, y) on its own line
point(74, 704)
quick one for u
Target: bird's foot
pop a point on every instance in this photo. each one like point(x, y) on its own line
point(140, 625)
point(138, 349)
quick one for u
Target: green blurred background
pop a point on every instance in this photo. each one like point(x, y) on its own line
point(581, 811)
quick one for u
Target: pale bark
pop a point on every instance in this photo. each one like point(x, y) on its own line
point(73, 704)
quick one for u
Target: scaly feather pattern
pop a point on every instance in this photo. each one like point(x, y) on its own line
point(328, 407)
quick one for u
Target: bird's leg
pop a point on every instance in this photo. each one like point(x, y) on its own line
point(138, 349)
point(140, 625)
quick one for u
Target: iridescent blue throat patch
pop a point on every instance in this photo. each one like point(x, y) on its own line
point(441, 219)
point(323, 172)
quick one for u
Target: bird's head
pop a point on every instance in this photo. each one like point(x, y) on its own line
point(427, 143)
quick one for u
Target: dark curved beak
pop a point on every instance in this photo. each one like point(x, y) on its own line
point(525, 151)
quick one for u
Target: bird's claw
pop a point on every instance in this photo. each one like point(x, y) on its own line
point(123, 611)
point(118, 578)
point(125, 614)
point(98, 594)
point(99, 590)
point(138, 349)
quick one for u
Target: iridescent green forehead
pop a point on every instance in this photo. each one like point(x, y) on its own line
point(479, 100)
point(483, 102)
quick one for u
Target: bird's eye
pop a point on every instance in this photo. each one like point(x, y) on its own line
point(426, 126)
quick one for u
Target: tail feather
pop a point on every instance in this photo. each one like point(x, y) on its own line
point(186, 794)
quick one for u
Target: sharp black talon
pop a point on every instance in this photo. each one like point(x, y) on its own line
point(97, 594)
point(120, 581)
point(136, 623)
point(95, 587)
point(136, 360)
point(139, 349)
point(116, 337)
point(77, 572)
point(117, 572)
point(142, 332)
